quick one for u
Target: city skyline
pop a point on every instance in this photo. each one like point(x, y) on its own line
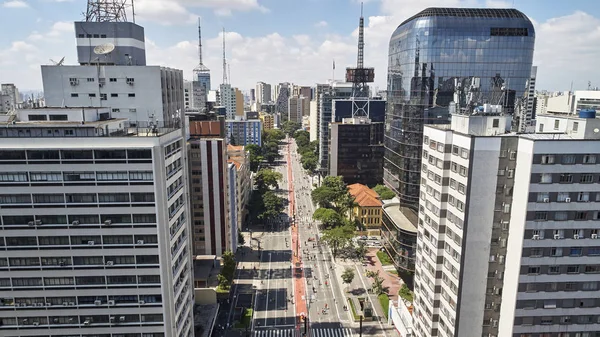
point(43, 30)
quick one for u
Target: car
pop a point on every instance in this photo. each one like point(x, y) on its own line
point(373, 238)
point(376, 243)
point(363, 237)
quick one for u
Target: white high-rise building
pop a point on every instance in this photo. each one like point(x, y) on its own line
point(263, 93)
point(9, 97)
point(508, 228)
point(227, 96)
point(298, 106)
point(112, 73)
point(95, 237)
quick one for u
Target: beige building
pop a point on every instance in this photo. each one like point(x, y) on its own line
point(298, 106)
point(239, 103)
point(268, 121)
point(367, 208)
point(238, 156)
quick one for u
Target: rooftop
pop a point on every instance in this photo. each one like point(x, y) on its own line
point(364, 196)
point(400, 220)
point(496, 13)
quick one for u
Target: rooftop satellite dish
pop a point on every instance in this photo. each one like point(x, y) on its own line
point(104, 48)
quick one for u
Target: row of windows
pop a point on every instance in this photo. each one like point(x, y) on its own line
point(85, 320)
point(569, 178)
point(567, 159)
point(560, 334)
point(103, 97)
point(73, 155)
point(564, 215)
point(64, 261)
point(75, 176)
point(94, 219)
point(87, 240)
point(567, 196)
point(549, 320)
point(563, 269)
point(75, 198)
point(80, 280)
point(562, 251)
point(81, 300)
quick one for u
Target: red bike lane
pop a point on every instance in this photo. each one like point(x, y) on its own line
point(299, 282)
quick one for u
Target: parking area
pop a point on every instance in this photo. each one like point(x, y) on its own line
point(369, 241)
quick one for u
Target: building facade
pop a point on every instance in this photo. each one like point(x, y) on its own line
point(240, 158)
point(448, 58)
point(267, 119)
point(244, 132)
point(208, 193)
point(298, 106)
point(326, 94)
point(9, 97)
point(95, 234)
point(367, 208)
point(356, 151)
point(227, 99)
point(232, 195)
point(263, 93)
point(510, 253)
point(399, 239)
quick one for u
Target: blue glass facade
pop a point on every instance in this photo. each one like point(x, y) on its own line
point(445, 58)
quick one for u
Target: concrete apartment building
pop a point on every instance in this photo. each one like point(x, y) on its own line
point(267, 119)
point(263, 93)
point(240, 159)
point(244, 132)
point(227, 99)
point(508, 228)
point(208, 193)
point(9, 97)
point(95, 235)
point(119, 80)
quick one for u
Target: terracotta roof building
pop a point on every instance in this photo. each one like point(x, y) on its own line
point(367, 205)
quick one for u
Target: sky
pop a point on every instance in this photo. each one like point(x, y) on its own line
point(287, 40)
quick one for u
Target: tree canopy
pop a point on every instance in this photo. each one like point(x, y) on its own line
point(328, 217)
point(272, 206)
point(348, 275)
point(333, 194)
point(267, 178)
point(289, 127)
point(256, 156)
point(384, 192)
point(225, 277)
point(338, 238)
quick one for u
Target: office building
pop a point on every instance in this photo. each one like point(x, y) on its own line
point(244, 132)
point(367, 207)
point(117, 79)
point(194, 96)
point(399, 238)
point(356, 151)
point(326, 95)
point(305, 91)
point(571, 102)
point(442, 57)
point(208, 193)
point(267, 120)
point(281, 103)
point(95, 234)
point(252, 95)
point(298, 106)
point(233, 204)
point(263, 93)
point(508, 228)
point(9, 97)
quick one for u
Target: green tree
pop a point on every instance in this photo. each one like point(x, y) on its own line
point(371, 274)
point(255, 156)
point(302, 138)
point(267, 178)
point(377, 285)
point(333, 193)
point(328, 217)
point(384, 192)
point(360, 250)
point(406, 293)
point(273, 135)
point(223, 282)
point(273, 206)
point(309, 162)
point(228, 268)
point(290, 127)
point(241, 239)
point(348, 275)
point(338, 238)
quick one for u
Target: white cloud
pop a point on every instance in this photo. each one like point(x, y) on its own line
point(321, 24)
point(15, 4)
point(498, 4)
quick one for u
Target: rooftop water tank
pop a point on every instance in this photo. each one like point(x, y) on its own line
point(587, 113)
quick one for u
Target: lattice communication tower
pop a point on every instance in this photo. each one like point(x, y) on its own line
point(108, 10)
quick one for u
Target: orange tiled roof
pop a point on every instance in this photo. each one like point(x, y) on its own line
point(364, 196)
point(235, 147)
point(235, 162)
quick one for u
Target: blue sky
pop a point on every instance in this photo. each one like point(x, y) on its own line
point(287, 40)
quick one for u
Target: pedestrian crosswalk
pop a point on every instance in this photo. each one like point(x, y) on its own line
point(293, 332)
point(331, 332)
point(285, 332)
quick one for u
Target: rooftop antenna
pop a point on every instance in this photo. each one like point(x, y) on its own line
point(224, 60)
point(360, 76)
point(108, 10)
point(200, 68)
point(59, 63)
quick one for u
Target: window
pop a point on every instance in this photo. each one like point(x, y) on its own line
point(533, 270)
point(541, 216)
point(48, 198)
point(45, 176)
point(510, 173)
point(81, 198)
point(583, 196)
point(495, 122)
point(59, 117)
point(112, 79)
point(117, 239)
point(573, 269)
point(565, 178)
point(568, 159)
point(141, 175)
point(562, 196)
point(535, 252)
point(581, 215)
point(546, 178)
point(556, 124)
point(92, 95)
point(593, 269)
point(27, 282)
point(113, 197)
point(90, 79)
point(131, 95)
point(73, 94)
point(586, 178)
point(553, 269)
point(575, 251)
point(58, 281)
point(543, 197)
point(589, 159)
point(108, 176)
point(15, 199)
point(79, 176)
point(455, 150)
point(103, 97)
point(561, 216)
point(547, 159)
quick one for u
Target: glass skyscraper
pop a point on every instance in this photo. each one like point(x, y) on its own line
point(449, 60)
